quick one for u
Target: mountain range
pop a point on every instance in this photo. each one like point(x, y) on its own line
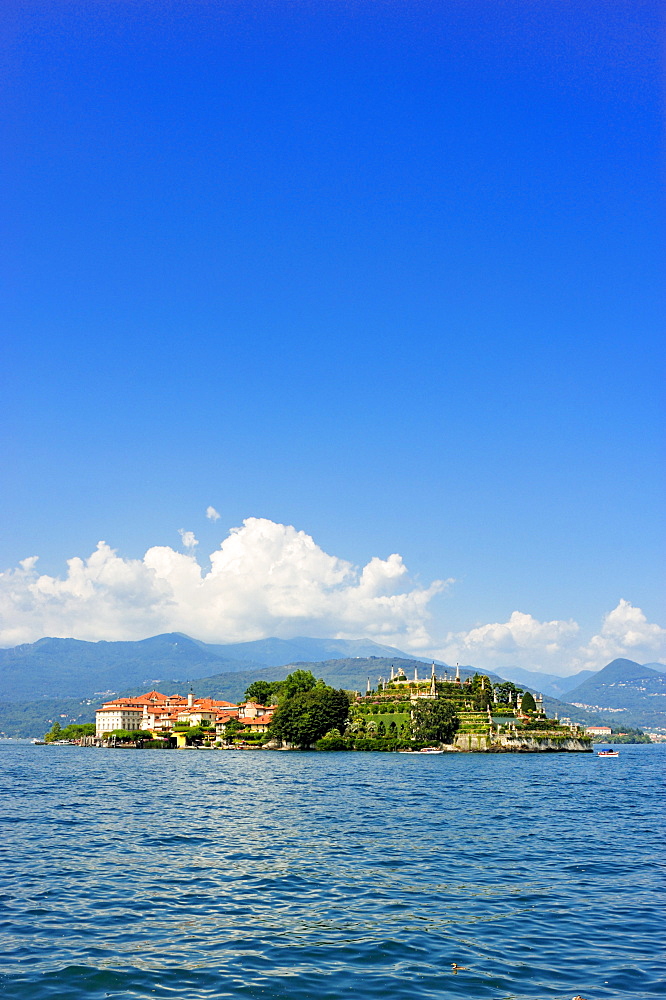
point(627, 692)
point(553, 684)
point(69, 678)
point(550, 684)
point(74, 668)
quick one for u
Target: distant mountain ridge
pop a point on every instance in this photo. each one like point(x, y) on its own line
point(550, 684)
point(279, 652)
point(625, 691)
point(74, 668)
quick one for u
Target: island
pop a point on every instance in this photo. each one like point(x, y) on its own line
point(436, 712)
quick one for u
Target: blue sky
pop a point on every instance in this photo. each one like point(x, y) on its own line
point(385, 272)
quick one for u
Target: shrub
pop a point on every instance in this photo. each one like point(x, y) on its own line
point(364, 743)
point(333, 743)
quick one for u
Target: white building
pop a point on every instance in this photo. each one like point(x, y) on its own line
point(117, 717)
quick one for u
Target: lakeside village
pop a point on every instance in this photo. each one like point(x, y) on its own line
point(301, 712)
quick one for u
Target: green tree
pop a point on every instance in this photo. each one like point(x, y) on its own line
point(74, 731)
point(507, 691)
point(196, 733)
point(129, 736)
point(482, 692)
point(298, 682)
point(308, 715)
point(528, 703)
point(80, 729)
point(263, 692)
point(273, 692)
point(435, 721)
point(232, 728)
point(332, 741)
point(55, 733)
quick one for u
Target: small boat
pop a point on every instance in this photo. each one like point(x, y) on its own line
point(431, 750)
point(608, 753)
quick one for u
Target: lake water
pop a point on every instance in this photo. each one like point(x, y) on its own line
point(189, 875)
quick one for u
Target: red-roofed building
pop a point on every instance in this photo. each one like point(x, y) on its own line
point(258, 724)
point(252, 709)
point(157, 712)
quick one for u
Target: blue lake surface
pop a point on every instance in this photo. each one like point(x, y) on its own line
point(191, 875)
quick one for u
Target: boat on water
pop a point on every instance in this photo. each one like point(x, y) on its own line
point(608, 753)
point(424, 750)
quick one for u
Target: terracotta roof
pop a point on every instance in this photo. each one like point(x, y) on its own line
point(155, 702)
point(115, 706)
point(148, 700)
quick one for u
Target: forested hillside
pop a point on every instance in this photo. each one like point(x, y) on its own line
point(624, 692)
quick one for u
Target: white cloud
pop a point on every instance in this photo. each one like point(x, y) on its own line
point(212, 514)
point(265, 579)
point(270, 579)
point(103, 596)
point(625, 632)
point(188, 538)
point(520, 641)
point(556, 646)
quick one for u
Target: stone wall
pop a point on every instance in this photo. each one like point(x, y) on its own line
point(472, 742)
point(540, 744)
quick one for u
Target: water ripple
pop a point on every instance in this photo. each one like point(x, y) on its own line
point(291, 877)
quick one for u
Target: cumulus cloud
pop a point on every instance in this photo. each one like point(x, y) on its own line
point(625, 632)
point(265, 579)
point(520, 641)
point(270, 579)
point(188, 538)
point(556, 646)
point(212, 514)
point(103, 596)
